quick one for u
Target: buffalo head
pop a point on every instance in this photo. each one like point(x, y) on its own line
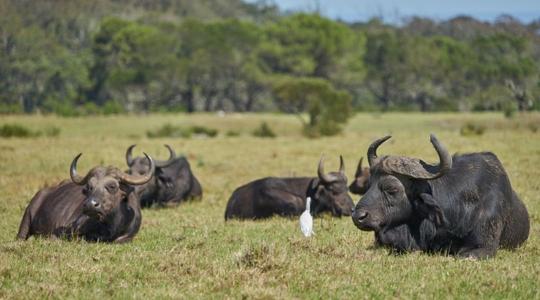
point(397, 189)
point(360, 183)
point(106, 187)
point(331, 191)
point(140, 165)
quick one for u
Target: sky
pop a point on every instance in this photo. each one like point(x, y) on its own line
point(394, 10)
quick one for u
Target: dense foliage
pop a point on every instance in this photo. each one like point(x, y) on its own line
point(90, 57)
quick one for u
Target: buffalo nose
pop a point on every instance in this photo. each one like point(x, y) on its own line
point(94, 203)
point(361, 215)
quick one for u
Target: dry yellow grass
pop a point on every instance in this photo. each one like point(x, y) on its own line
point(190, 252)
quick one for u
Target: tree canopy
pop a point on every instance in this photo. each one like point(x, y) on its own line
point(78, 57)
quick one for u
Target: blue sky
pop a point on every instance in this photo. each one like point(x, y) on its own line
point(394, 10)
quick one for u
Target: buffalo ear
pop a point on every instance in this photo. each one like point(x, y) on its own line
point(427, 205)
point(126, 190)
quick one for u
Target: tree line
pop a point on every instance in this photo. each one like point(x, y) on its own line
point(85, 57)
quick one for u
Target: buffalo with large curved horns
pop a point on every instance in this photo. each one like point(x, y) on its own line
point(464, 205)
point(173, 183)
point(270, 196)
point(100, 206)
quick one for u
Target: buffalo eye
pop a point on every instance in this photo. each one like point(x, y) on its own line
point(87, 189)
point(389, 188)
point(112, 188)
point(392, 190)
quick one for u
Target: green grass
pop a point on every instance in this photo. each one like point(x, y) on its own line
point(190, 252)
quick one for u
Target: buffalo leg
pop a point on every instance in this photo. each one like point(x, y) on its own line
point(483, 241)
point(24, 228)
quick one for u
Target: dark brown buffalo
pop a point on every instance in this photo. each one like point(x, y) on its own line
point(173, 180)
point(465, 206)
point(359, 185)
point(100, 206)
point(270, 196)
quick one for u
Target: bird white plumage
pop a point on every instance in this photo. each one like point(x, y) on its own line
point(306, 220)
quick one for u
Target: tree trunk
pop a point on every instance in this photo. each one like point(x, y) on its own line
point(187, 98)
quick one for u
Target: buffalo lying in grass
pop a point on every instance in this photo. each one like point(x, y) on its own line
point(465, 206)
point(173, 181)
point(100, 206)
point(270, 196)
point(359, 185)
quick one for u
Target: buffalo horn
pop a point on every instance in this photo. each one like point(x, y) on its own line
point(372, 150)
point(129, 156)
point(359, 168)
point(322, 175)
point(418, 169)
point(136, 179)
point(76, 178)
point(172, 156)
point(341, 166)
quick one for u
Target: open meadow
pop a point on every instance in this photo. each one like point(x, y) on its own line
point(190, 252)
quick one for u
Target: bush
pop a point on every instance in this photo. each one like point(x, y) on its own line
point(16, 130)
point(232, 133)
point(169, 130)
point(90, 108)
point(10, 108)
point(472, 129)
point(67, 111)
point(264, 131)
point(112, 107)
point(509, 109)
point(204, 131)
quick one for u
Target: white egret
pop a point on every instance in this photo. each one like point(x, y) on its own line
point(306, 220)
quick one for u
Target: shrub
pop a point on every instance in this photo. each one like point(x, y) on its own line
point(204, 131)
point(169, 130)
point(90, 108)
point(472, 129)
point(15, 130)
point(67, 111)
point(509, 109)
point(6, 108)
point(232, 133)
point(264, 131)
point(112, 107)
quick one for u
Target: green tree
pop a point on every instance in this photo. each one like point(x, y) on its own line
point(327, 108)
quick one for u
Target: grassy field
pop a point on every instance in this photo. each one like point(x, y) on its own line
point(190, 252)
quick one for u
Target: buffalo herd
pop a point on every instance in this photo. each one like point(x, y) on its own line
point(463, 206)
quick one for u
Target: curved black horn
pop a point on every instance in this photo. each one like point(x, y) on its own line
point(322, 175)
point(372, 150)
point(445, 159)
point(341, 165)
point(415, 168)
point(136, 179)
point(359, 168)
point(129, 156)
point(172, 157)
point(76, 178)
